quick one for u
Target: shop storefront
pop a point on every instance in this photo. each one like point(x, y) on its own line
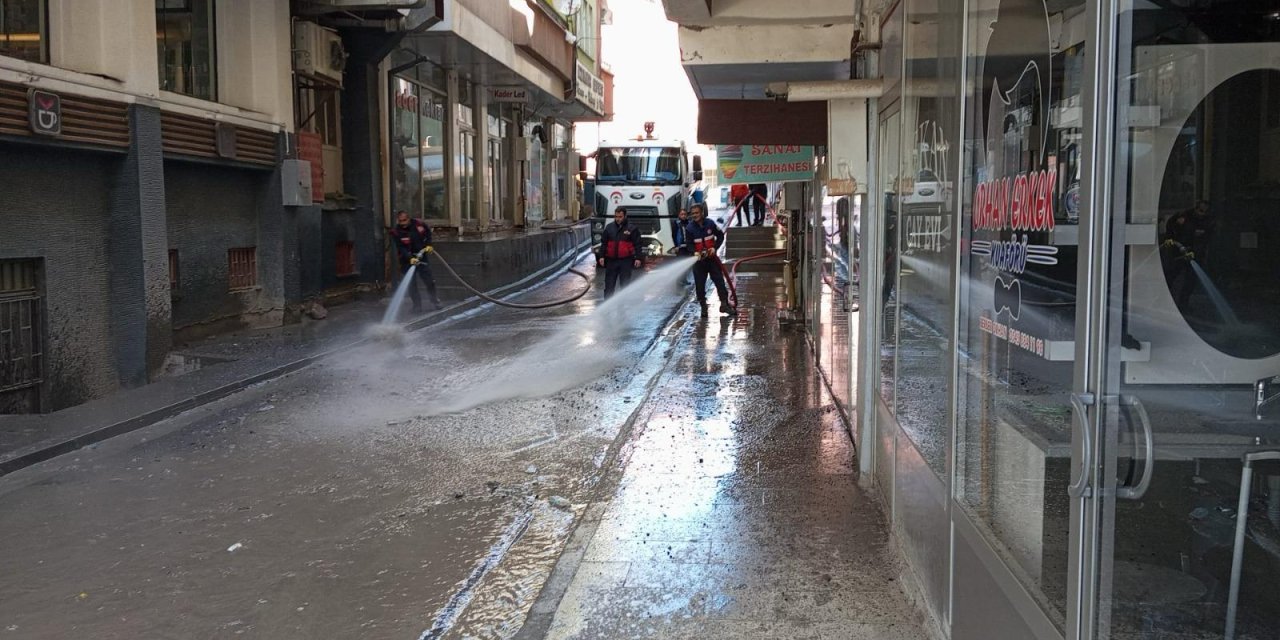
point(418, 142)
point(1074, 312)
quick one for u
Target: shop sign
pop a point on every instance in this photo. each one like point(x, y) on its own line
point(44, 112)
point(428, 105)
point(508, 94)
point(589, 88)
point(1013, 211)
point(745, 164)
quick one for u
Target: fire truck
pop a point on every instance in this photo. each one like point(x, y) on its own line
point(652, 179)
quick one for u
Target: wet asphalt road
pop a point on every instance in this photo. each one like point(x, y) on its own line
point(339, 502)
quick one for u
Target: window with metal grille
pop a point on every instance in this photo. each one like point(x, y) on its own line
point(21, 334)
point(173, 271)
point(242, 267)
point(344, 258)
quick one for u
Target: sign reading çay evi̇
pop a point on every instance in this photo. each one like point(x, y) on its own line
point(744, 164)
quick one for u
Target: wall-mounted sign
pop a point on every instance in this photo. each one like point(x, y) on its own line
point(746, 164)
point(44, 112)
point(509, 94)
point(225, 140)
point(589, 88)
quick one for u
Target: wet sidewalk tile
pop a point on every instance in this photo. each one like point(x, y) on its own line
point(738, 513)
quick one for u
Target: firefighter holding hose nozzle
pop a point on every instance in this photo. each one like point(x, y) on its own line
point(703, 238)
point(1187, 238)
point(619, 252)
point(412, 238)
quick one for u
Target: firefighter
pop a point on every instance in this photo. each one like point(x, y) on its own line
point(704, 238)
point(412, 238)
point(619, 252)
point(1187, 238)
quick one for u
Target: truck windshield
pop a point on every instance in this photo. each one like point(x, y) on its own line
point(643, 165)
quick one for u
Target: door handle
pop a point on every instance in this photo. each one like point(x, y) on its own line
point(1148, 465)
point(1080, 488)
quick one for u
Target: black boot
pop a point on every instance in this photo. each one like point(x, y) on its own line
point(705, 308)
point(726, 308)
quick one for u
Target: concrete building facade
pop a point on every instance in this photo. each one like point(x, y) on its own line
point(460, 112)
point(172, 169)
point(141, 144)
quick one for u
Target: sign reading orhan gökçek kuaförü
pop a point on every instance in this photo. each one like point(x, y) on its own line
point(751, 163)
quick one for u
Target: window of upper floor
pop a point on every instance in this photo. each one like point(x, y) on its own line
point(24, 29)
point(185, 47)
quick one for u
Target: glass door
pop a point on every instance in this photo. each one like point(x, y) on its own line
point(890, 174)
point(1186, 487)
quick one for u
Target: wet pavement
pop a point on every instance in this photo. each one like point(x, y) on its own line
point(588, 471)
point(333, 502)
point(215, 367)
point(736, 512)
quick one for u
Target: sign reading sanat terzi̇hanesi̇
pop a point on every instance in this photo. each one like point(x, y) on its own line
point(746, 164)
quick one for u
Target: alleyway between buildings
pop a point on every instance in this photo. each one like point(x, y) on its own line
point(702, 486)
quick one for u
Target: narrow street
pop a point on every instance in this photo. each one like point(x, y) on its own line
point(329, 503)
point(670, 475)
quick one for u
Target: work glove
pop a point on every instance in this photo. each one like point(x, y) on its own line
point(428, 249)
point(1189, 255)
point(1168, 244)
point(413, 260)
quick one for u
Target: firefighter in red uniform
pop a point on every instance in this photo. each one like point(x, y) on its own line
point(704, 239)
point(413, 242)
point(619, 252)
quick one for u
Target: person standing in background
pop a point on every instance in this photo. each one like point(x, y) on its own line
point(739, 195)
point(759, 202)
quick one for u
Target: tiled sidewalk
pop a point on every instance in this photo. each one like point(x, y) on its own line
point(738, 514)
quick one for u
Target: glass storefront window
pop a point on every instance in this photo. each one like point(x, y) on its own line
point(431, 150)
point(890, 152)
point(466, 173)
point(496, 177)
point(1188, 547)
point(24, 29)
point(406, 160)
point(185, 47)
point(1018, 273)
point(417, 149)
point(925, 214)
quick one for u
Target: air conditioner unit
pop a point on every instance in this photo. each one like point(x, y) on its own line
point(318, 52)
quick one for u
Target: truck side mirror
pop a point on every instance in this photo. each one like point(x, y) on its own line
point(697, 176)
point(697, 166)
point(582, 164)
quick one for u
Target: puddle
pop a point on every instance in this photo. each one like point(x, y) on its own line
point(180, 364)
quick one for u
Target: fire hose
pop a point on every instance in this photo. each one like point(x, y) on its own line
point(515, 305)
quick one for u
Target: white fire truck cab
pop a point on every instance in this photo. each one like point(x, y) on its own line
point(652, 179)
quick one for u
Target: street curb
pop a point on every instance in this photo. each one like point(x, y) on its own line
point(44, 453)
